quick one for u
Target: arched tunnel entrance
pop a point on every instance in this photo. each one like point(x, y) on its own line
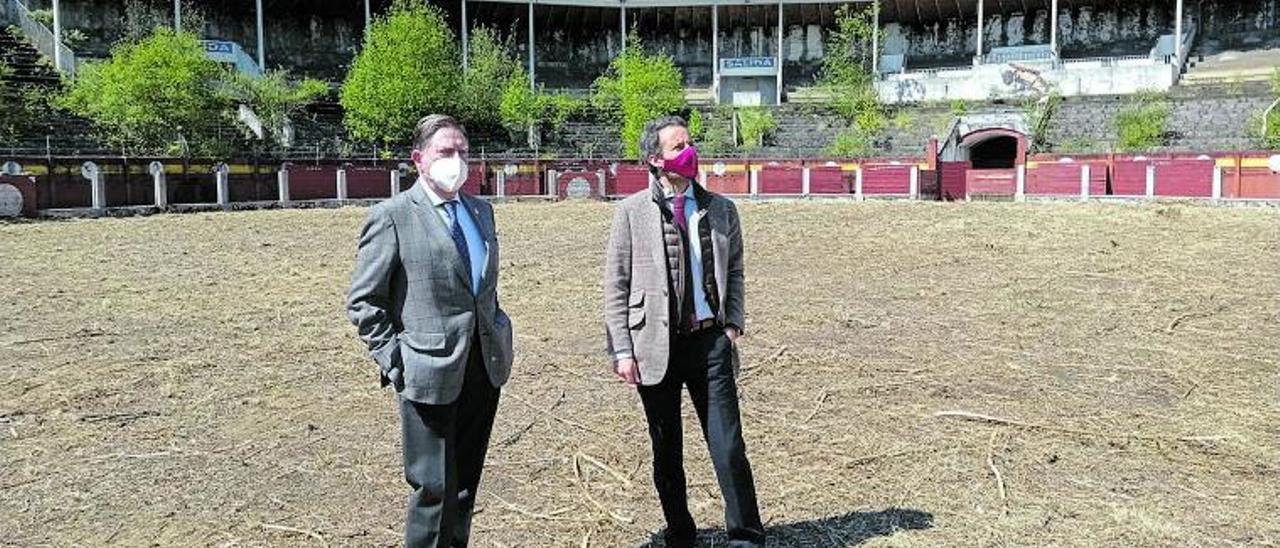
point(982, 163)
point(998, 152)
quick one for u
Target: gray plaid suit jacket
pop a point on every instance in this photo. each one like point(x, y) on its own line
point(411, 301)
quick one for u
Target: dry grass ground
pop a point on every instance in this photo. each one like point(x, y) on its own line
point(191, 380)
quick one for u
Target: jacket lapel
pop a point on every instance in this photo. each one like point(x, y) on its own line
point(651, 224)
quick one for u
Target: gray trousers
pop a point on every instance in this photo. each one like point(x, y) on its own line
point(444, 451)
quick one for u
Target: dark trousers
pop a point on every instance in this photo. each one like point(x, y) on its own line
point(444, 451)
point(702, 362)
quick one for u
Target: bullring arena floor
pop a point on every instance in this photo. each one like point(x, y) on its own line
point(916, 374)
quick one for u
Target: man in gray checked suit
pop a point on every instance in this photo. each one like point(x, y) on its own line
point(673, 308)
point(424, 298)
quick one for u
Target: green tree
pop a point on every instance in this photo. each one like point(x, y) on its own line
point(10, 104)
point(753, 124)
point(1271, 133)
point(1142, 123)
point(150, 94)
point(532, 111)
point(638, 87)
point(408, 67)
point(846, 77)
point(490, 69)
point(274, 98)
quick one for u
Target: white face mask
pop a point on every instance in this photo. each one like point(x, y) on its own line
point(450, 173)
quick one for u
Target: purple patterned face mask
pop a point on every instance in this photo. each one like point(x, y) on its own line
point(684, 165)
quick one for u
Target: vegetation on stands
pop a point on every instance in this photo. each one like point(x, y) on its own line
point(517, 105)
point(1271, 133)
point(1142, 123)
point(1039, 110)
point(754, 123)
point(152, 95)
point(847, 78)
point(490, 69)
point(163, 94)
point(275, 99)
point(533, 111)
point(714, 132)
point(638, 87)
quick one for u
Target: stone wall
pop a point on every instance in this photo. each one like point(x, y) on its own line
point(1204, 119)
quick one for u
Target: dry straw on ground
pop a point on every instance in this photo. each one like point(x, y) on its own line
point(915, 375)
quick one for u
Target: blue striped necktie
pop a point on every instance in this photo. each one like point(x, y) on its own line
point(459, 239)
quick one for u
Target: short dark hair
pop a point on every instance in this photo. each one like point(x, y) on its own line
point(430, 124)
point(649, 144)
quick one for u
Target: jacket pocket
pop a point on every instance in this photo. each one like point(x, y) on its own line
point(635, 309)
point(424, 342)
point(504, 339)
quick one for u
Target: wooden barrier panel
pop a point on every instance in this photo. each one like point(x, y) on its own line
point(521, 178)
point(631, 179)
point(127, 184)
point(830, 180)
point(1129, 177)
point(477, 182)
point(729, 177)
point(67, 191)
point(993, 182)
point(1184, 177)
point(313, 183)
point(252, 183)
point(886, 179)
point(1059, 178)
point(368, 182)
point(952, 176)
point(1257, 180)
point(781, 180)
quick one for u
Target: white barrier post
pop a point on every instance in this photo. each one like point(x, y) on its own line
point(553, 182)
point(1020, 191)
point(804, 185)
point(221, 175)
point(98, 190)
point(341, 180)
point(857, 184)
point(1217, 184)
point(913, 191)
point(397, 178)
point(755, 183)
point(159, 186)
point(282, 184)
point(1084, 182)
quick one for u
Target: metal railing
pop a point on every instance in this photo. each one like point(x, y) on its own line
point(957, 71)
point(42, 38)
point(1018, 54)
point(1111, 61)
